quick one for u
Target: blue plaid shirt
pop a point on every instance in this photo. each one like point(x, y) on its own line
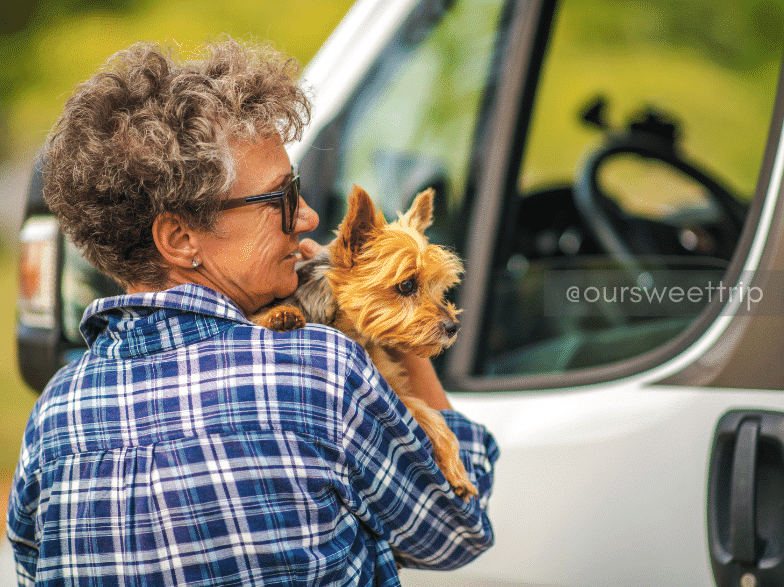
point(191, 447)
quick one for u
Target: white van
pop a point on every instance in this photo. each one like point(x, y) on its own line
point(611, 173)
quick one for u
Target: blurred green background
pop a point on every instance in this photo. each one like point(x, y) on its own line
point(49, 46)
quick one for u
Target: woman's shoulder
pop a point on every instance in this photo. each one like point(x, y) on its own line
point(316, 346)
point(312, 338)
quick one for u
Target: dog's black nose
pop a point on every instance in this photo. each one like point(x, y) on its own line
point(451, 328)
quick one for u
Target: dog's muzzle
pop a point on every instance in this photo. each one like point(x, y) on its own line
point(450, 328)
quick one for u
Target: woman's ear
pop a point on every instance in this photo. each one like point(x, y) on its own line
point(177, 244)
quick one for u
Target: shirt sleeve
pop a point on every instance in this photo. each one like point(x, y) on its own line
point(394, 486)
point(22, 503)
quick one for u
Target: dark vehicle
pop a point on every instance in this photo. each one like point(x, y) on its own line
point(611, 173)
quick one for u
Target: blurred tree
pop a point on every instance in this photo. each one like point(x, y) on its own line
point(48, 46)
point(720, 29)
point(17, 17)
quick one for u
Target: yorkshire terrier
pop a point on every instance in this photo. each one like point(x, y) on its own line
point(384, 286)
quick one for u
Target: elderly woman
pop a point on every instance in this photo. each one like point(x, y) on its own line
point(189, 446)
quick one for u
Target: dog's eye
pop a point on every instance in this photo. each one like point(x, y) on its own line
point(407, 287)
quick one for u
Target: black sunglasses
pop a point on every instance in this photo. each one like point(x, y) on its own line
point(290, 201)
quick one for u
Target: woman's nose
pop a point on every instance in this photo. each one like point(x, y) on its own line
point(307, 219)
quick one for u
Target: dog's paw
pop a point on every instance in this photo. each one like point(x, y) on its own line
point(281, 319)
point(457, 476)
point(465, 490)
point(446, 448)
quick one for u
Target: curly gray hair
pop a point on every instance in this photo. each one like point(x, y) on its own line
point(146, 135)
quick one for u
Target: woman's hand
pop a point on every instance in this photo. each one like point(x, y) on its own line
point(309, 248)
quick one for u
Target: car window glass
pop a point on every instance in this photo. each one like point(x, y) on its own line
point(411, 124)
point(643, 151)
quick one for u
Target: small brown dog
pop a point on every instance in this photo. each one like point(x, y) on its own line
point(384, 285)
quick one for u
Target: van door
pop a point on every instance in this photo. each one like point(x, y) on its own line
point(621, 333)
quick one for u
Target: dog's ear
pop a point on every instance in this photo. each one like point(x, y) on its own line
point(420, 214)
point(360, 224)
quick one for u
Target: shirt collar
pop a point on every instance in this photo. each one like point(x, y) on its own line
point(144, 323)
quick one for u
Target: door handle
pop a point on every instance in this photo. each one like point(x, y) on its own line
point(746, 500)
point(742, 498)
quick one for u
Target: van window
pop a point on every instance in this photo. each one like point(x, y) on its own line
point(645, 143)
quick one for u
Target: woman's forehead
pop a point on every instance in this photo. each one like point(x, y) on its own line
point(260, 166)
